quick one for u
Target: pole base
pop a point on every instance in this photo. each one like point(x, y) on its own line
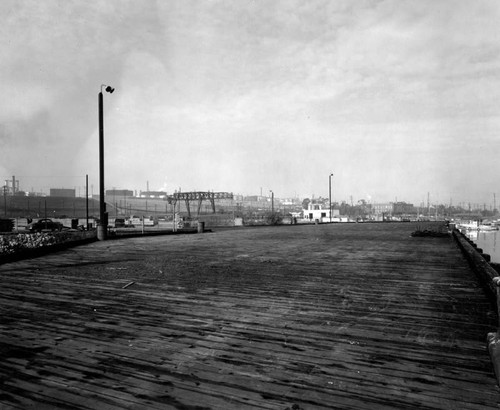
point(102, 232)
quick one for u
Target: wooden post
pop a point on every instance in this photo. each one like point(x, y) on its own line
point(201, 227)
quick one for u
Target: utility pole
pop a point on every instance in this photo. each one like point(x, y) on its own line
point(102, 229)
point(330, 194)
point(87, 200)
point(5, 199)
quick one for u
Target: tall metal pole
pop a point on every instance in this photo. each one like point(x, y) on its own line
point(330, 194)
point(102, 228)
point(87, 200)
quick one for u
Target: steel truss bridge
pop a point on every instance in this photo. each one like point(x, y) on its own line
point(188, 197)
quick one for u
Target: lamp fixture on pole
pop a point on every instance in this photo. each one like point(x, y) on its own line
point(108, 88)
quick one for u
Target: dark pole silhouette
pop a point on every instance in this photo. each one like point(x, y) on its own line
point(102, 229)
point(87, 201)
point(330, 194)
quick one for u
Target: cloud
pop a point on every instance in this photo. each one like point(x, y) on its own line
point(239, 95)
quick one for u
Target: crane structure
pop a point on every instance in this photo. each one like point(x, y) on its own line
point(188, 197)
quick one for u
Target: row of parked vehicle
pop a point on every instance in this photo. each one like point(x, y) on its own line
point(134, 221)
point(44, 224)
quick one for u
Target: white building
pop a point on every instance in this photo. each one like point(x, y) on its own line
point(316, 212)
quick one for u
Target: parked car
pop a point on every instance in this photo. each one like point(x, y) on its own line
point(120, 223)
point(44, 224)
point(135, 220)
point(150, 221)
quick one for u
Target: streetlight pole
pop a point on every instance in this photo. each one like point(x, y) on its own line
point(330, 194)
point(272, 202)
point(87, 201)
point(5, 200)
point(102, 229)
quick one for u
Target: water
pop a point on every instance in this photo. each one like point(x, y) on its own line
point(488, 241)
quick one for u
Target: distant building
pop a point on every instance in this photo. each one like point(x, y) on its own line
point(62, 192)
point(317, 211)
point(402, 208)
point(119, 192)
point(256, 198)
point(11, 186)
point(33, 194)
point(153, 194)
point(382, 209)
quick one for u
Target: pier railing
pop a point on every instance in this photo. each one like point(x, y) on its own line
point(493, 338)
point(480, 263)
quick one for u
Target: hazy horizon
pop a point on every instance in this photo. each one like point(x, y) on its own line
point(396, 98)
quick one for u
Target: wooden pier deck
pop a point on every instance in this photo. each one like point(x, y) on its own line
point(341, 316)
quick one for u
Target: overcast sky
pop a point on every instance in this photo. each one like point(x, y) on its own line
point(396, 98)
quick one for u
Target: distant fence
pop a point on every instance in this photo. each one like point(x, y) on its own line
point(214, 220)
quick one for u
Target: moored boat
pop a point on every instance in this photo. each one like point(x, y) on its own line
point(487, 227)
point(468, 225)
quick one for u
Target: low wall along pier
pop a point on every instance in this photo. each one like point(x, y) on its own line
point(489, 277)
